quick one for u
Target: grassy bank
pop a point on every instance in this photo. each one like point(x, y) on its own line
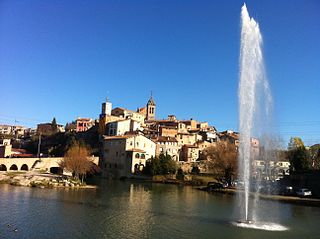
point(306, 201)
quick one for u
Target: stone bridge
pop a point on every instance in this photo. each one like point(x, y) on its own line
point(26, 164)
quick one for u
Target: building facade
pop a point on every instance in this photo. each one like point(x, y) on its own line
point(151, 109)
point(83, 124)
point(125, 155)
point(168, 145)
point(48, 129)
point(120, 127)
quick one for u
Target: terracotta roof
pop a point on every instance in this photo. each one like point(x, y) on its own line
point(116, 137)
point(168, 127)
point(127, 135)
point(194, 130)
point(136, 150)
point(151, 101)
point(129, 111)
point(165, 139)
point(18, 150)
point(141, 109)
point(118, 120)
point(83, 119)
point(190, 146)
point(120, 108)
point(22, 155)
point(163, 121)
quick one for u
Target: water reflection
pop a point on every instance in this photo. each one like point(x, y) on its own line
point(136, 210)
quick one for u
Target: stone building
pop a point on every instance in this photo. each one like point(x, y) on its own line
point(83, 124)
point(5, 129)
point(122, 126)
point(151, 109)
point(167, 145)
point(48, 129)
point(123, 113)
point(230, 136)
point(189, 153)
point(123, 156)
point(5, 148)
point(106, 117)
point(188, 138)
point(270, 170)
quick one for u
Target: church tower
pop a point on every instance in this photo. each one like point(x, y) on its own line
point(151, 109)
point(105, 112)
point(106, 108)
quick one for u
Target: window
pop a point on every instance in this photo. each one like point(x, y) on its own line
point(143, 156)
point(137, 155)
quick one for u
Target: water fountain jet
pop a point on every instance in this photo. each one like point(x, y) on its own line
point(254, 97)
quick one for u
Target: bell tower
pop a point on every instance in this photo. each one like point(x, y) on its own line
point(105, 112)
point(151, 109)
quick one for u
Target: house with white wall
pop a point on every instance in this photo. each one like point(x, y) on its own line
point(125, 155)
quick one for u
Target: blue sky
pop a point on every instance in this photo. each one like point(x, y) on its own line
point(62, 58)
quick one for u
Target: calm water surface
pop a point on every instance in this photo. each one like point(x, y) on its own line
point(139, 210)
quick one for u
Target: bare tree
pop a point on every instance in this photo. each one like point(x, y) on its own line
point(77, 160)
point(222, 160)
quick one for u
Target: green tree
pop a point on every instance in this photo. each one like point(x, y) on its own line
point(298, 155)
point(295, 142)
point(299, 159)
point(167, 165)
point(180, 174)
point(54, 125)
point(160, 165)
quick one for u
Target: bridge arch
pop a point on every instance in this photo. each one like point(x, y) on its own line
point(3, 167)
point(56, 170)
point(13, 167)
point(24, 167)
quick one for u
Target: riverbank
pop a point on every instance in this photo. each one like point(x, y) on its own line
point(306, 201)
point(187, 180)
point(41, 180)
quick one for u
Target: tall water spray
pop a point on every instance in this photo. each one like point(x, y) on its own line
point(254, 98)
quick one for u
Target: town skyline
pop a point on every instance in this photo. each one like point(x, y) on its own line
point(68, 64)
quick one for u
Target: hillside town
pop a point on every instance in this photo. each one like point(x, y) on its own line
point(126, 139)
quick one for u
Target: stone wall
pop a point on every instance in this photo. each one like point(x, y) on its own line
point(26, 164)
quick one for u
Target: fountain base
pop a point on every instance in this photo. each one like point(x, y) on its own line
point(267, 226)
point(245, 221)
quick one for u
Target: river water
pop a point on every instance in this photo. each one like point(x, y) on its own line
point(139, 210)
